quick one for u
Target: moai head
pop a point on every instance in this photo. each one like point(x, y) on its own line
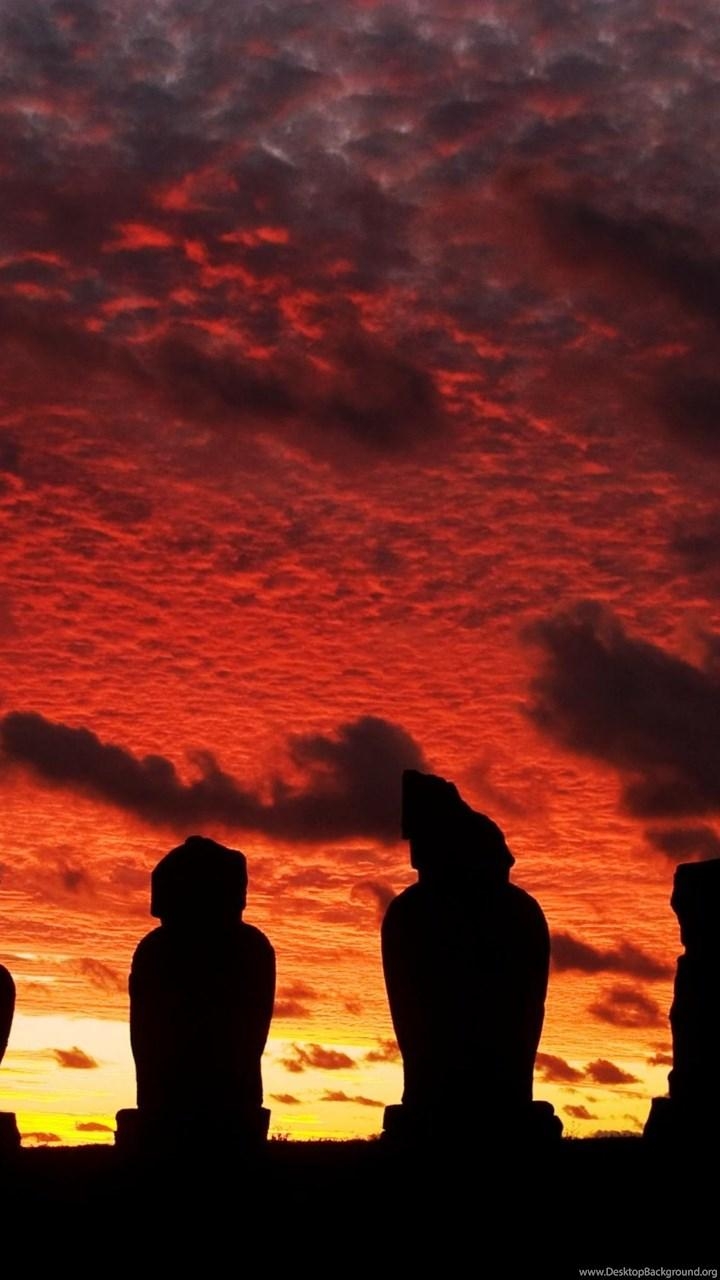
point(199, 884)
point(448, 839)
point(696, 903)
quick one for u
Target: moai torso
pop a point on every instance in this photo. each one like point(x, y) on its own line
point(466, 972)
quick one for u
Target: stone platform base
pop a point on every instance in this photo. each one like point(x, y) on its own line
point(9, 1134)
point(174, 1133)
point(534, 1123)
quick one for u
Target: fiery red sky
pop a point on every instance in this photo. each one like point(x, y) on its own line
point(359, 409)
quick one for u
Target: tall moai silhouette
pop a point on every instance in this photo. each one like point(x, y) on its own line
point(691, 1113)
point(202, 988)
point(466, 958)
point(9, 1136)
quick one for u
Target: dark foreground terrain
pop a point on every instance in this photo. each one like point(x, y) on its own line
point(334, 1208)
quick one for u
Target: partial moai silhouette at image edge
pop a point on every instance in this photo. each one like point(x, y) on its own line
point(466, 957)
point(202, 988)
point(692, 1111)
point(9, 1136)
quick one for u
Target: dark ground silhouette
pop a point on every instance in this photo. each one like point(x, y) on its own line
point(340, 1206)
point(466, 958)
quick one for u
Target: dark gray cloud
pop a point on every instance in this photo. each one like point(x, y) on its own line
point(570, 953)
point(372, 396)
point(627, 1007)
point(653, 717)
point(268, 179)
point(245, 226)
point(698, 842)
point(646, 254)
point(352, 787)
point(688, 403)
point(698, 543)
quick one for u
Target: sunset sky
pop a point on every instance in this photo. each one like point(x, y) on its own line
point(359, 410)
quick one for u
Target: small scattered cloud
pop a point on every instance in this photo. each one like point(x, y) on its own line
point(626, 1007)
point(292, 1001)
point(387, 1051)
point(578, 1111)
point(601, 1071)
point(555, 1069)
point(287, 1099)
point(40, 1138)
point(337, 1095)
point(76, 1059)
point(660, 1060)
point(303, 1057)
point(93, 1126)
point(290, 1009)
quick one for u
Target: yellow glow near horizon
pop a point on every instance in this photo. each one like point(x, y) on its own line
point(76, 1105)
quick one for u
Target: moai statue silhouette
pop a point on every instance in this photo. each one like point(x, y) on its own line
point(466, 957)
point(9, 1136)
point(691, 1113)
point(202, 988)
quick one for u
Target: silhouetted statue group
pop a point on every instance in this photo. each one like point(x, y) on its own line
point(466, 957)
